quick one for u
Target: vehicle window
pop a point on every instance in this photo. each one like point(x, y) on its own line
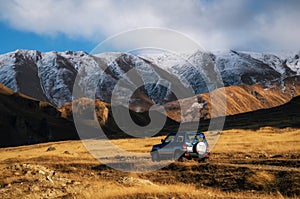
point(194, 138)
point(190, 138)
point(170, 138)
point(180, 139)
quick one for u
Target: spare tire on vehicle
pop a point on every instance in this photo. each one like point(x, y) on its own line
point(200, 148)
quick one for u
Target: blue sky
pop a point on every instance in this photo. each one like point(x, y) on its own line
point(79, 25)
point(12, 39)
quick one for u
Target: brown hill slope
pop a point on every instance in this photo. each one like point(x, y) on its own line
point(239, 99)
point(4, 90)
point(106, 119)
point(283, 116)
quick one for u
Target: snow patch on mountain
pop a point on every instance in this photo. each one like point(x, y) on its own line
point(7, 71)
point(294, 63)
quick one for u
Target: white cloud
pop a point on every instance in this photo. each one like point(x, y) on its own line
point(244, 25)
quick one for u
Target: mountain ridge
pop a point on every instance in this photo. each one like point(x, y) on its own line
point(50, 76)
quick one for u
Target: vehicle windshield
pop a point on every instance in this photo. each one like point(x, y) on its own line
point(169, 138)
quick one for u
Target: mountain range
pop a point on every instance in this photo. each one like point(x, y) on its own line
point(36, 95)
point(50, 76)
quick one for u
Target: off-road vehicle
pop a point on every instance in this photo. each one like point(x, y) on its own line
point(182, 146)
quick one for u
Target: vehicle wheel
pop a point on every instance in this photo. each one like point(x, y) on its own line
point(178, 156)
point(155, 156)
point(183, 159)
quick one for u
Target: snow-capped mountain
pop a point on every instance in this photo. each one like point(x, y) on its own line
point(50, 76)
point(235, 67)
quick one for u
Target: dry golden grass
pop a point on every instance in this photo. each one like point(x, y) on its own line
point(138, 144)
point(38, 150)
point(103, 182)
point(164, 191)
point(265, 140)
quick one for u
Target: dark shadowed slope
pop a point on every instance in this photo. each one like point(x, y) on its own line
point(287, 115)
point(26, 121)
